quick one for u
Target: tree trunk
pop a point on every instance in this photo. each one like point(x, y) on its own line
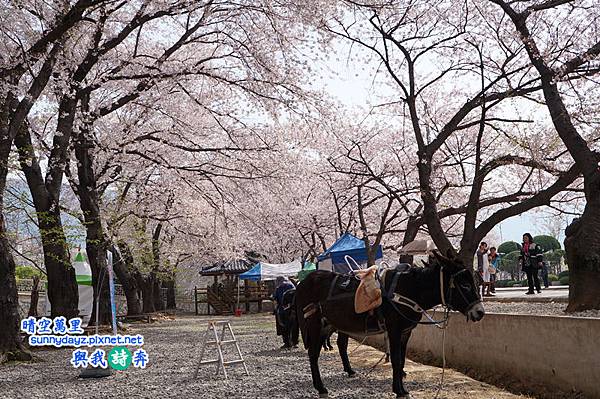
point(583, 256)
point(157, 296)
point(122, 265)
point(63, 292)
point(171, 298)
point(62, 284)
point(10, 342)
point(159, 303)
point(96, 245)
point(412, 229)
point(35, 296)
point(11, 347)
point(466, 255)
point(97, 258)
point(147, 293)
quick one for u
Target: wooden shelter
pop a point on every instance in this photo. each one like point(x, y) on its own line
point(225, 291)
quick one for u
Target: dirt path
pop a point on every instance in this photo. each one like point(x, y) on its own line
point(423, 381)
point(174, 346)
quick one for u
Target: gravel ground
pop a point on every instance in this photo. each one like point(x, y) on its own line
point(547, 309)
point(174, 346)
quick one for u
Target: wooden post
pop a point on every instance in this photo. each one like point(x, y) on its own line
point(260, 299)
point(246, 284)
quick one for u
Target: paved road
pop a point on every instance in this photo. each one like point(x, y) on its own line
point(557, 294)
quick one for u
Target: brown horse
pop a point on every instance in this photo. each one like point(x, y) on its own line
point(407, 293)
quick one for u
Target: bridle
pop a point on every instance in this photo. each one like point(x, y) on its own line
point(397, 299)
point(451, 285)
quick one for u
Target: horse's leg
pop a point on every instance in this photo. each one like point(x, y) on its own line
point(295, 331)
point(398, 355)
point(313, 334)
point(387, 347)
point(403, 345)
point(342, 343)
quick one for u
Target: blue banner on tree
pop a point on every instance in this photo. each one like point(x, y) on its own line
point(111, 283)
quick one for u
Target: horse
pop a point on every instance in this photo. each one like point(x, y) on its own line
point(406, 295)
point(287, 323)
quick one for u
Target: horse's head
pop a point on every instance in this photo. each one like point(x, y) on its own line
point(457, 286)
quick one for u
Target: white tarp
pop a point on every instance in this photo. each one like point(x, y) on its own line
point(418, 247)
point(270, 271)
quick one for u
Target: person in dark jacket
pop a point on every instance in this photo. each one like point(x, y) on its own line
point(531, 262)
point(545, 272)
point(284, 315)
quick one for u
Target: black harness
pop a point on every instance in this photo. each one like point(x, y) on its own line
point(395, 299)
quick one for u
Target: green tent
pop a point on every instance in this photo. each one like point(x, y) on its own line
point(309, 267)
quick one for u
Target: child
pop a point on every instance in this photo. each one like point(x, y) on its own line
point(494, 263)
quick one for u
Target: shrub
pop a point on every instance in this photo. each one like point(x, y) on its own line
point(502, 283)
point(563, 274)
point(27, 272)
point(564, 280)
point(524, 283)
point(510, 263)
point(552, 277)
point(548, 243)
point(555, 257)
point(512, 283)
point(509, 246)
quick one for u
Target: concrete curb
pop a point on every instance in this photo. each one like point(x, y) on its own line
point(556, 352)
point(531, 300)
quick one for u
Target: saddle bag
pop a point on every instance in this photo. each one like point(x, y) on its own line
point(368, 295)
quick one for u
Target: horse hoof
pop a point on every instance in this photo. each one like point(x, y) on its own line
point(351, 374)
point(323, 395)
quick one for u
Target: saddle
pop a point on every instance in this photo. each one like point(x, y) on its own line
point(362, 289)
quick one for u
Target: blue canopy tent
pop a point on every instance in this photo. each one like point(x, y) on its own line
point(334, 259)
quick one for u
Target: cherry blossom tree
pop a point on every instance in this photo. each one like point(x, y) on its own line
point(562, 43)
point(33, 38)
point(457, 84)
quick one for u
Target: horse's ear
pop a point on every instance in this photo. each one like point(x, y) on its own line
point(440, 258)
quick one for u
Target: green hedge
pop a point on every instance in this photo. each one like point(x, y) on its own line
point(548, 243)
point(563, 274)
point(552, 277)
point(564, 280)
point(509, 246)
point(27, 273)
point(503, 283)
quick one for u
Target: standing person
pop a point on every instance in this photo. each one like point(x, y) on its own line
point(483, 268)
point(282, 297)
point(531, 262)
point(545, 274)
point(494, 260)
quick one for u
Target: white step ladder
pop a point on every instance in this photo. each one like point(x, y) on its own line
point(211, 337)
